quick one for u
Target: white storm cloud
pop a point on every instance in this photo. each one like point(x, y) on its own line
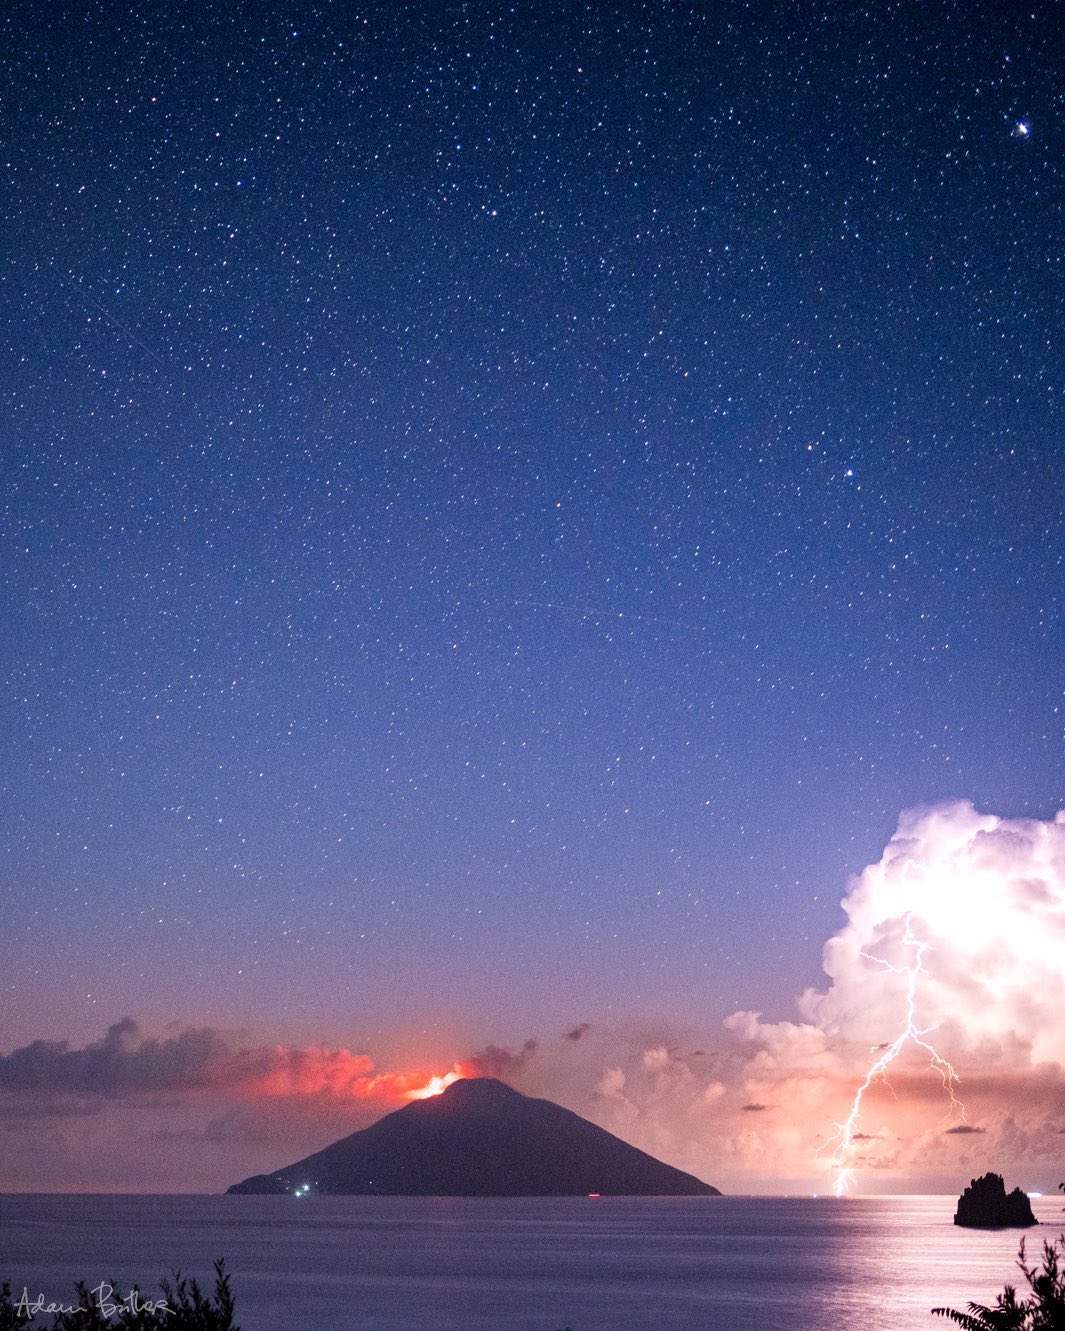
point(966, 912)
point(987, 897)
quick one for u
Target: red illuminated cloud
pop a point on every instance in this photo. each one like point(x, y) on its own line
point(317, 1071)
point(127, 1063)
point(987, 896)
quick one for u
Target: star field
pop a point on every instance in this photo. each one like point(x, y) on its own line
point(504, 505)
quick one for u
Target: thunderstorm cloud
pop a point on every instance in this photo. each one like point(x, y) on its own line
point(985, 896)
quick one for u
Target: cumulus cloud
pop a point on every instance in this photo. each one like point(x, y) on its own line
point(987, 896)
point(121, 1063)
point(126, 1062)
point(979, 902)
point(495, 1061)
point(968, 911)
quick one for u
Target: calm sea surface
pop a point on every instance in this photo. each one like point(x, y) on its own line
point(387, 1264)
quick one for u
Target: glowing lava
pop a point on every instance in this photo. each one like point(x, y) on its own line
point(434, 1086)
point(911, 1033)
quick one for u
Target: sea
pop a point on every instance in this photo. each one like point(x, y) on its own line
point(536, 1264)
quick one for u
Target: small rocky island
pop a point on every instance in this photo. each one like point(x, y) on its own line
point(985, 1204)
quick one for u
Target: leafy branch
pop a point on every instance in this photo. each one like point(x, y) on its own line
point(1043, 1309)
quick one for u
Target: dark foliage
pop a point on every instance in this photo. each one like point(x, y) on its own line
point(8, 1318)
point(183, 1306)
point(1042, 1310)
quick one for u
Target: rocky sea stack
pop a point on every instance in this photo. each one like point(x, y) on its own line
point(985, 1204)
point(480, 1138)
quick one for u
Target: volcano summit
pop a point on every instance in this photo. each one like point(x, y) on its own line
point(481, 1138)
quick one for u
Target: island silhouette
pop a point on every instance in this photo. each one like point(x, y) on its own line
point(985, 1204)
point(480, 1138)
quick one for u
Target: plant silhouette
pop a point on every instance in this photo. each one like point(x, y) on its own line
point(1043, 1309)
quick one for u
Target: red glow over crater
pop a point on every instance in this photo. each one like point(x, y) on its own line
point(434, 1086)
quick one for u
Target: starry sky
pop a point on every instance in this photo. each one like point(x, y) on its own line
point(505, 504)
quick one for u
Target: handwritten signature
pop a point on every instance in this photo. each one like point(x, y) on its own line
point(104, 1300)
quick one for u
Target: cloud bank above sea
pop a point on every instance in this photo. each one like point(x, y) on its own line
point(750, 1106)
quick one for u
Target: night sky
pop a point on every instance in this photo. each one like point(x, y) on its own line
point(504, 505)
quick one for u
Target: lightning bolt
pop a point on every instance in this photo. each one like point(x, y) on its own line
point(844, 1134)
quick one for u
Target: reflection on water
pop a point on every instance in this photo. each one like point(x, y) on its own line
point(397, 1264)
